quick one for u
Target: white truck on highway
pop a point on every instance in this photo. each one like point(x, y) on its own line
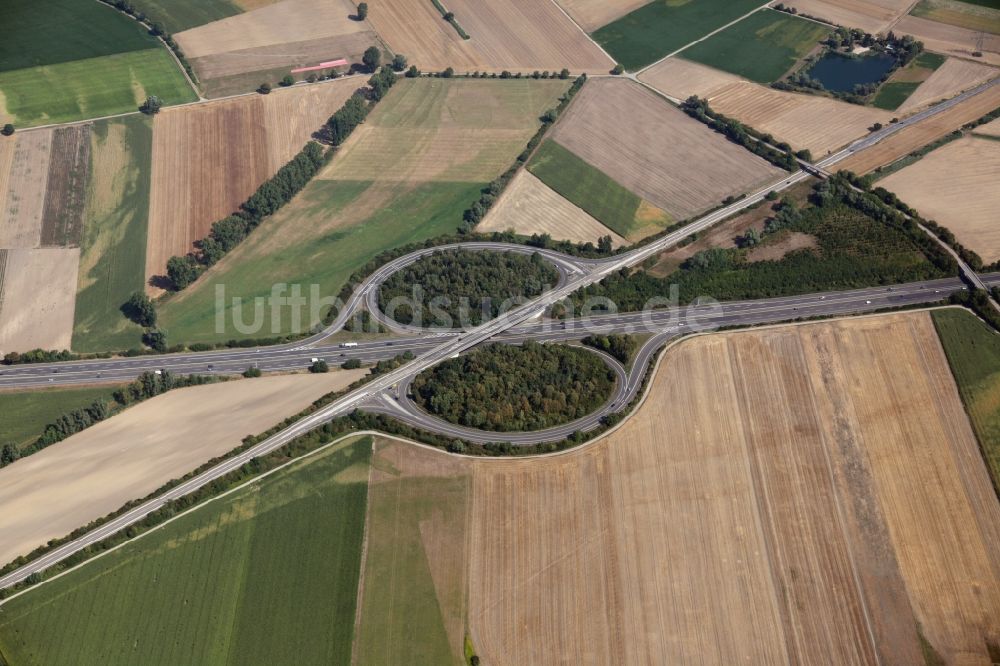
point(348, 344)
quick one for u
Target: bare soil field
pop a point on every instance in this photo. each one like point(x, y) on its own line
point(65, 194)
point(593, 14)
point(283, 34)
point(679, 79)
point(948, 80)
point(818, 124)
point(991, 128)
point(660, 154)
point(519, 35)
point(870, 15)
point(208, 159)
point(922, 133)
point(457, 130)
point(23, 198)
point(949, 39)
point(529, 206)
point(763, 509)
point(134, 453)
point(39, 296)
point(956, 185)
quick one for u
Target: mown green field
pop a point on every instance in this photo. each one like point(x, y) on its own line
point(58, 31)
point(266, 575)
point(178, 15)
point(762, 47)
point(327, 258)
point(36, 409)
point(113, 248)
point(973, 351)
point(91, 88)
point(409, 615)
point(905, 81)
point(977, 16)
point(663, 26)
point(894, 93)
point(589, 188)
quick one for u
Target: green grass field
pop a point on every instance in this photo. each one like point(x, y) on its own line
point(113, 249)
point(326, 259)
point(37, 409)
point(179, 15)
point(973, 351)
point(894, 93)
point(91, 88)
point(265, 575)
point(761, 47)
point(976, 16)
point(65, 30)
point(663, 26)
point(409, 615)
point(589, 188)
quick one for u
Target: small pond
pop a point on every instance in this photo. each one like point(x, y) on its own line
point(840, 73)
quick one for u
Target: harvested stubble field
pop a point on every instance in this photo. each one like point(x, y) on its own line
point(679, 79)
point(24, 169)
point(39, 291)
point(231, 54)
point(991, 128)
point(529, 206)
point(266, 574)
point(458, 130)
point(592, 14)
point(763, 510)
point(413, 588)
point(133, 453)
point(662, 155)
point(956, 185)
point(208, 159)
point(951, 78)
point(818, 124)
point(872, 16)
point(920, 134)
point(949, 39)
point(519, 35)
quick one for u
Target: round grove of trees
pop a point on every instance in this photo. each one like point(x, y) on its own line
point(456, 288)
point(507, 388)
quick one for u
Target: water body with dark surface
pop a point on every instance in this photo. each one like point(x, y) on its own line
point(840, 73)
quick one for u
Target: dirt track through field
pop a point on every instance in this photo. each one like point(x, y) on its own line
point(134, 453)
point(39, 297)
point(956, 185)
point(660, 154)
point(529, 206)
point(920, 134)
point(24, 199)
point(810, 494)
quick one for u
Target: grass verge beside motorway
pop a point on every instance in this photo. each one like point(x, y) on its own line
point(661, 27)
point(973, 351)
point(762, 47)
point(113, 249)
point(37, 409)
point(266, 574)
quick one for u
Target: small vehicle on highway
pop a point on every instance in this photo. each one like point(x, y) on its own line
point(348, 344)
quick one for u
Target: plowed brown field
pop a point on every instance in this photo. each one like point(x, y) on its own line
point(948, 80)
point(660, 154)
point(22, 187)
point(920, 134)
point(207, 159)
point(522, 35)
point(817, 123)
point(593, 14)
point(810, 494)
point(69, 167)
point(529, 206)
point(956, 185)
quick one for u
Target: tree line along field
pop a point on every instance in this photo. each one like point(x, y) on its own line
point(659, 28)
point(36, 409)
point(955, 185)
point(235, 54)
point(78, 60)
point(661, 155)
point(344, 218)
point(136, 451)
point(517, 35)
point(268, 572)
point(763, 47)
